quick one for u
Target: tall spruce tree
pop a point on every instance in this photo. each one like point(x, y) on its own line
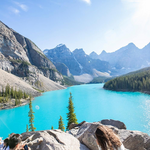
point(61, 124)
point(12, 92)
point(3, 94)
point(31, 116)
point(71, 116)
point(27, 129)
point(0, 93)
point(16, 102)
point(52, 128)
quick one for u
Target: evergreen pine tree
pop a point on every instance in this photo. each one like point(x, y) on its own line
point(52, 128)
point(25, 95)
point(15, 93)
point(0, 93)
point(71, 116)
point(27, 129)
point(7, 90)
point(61, 124)
point(3, 94)
point(12, 92)
point(31, 116)
point(16, 101)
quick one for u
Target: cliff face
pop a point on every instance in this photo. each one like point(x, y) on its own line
point(20, 56)
point(88, 64)
point(61, 55)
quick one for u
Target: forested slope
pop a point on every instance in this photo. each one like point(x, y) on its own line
point(134, 81)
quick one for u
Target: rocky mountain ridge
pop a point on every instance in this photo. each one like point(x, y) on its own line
point(126, 59)
point(76, 63)
point(61, 54)
point(82, 66)
point(21, 57)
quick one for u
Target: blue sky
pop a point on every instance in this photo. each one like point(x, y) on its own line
point(93, 25)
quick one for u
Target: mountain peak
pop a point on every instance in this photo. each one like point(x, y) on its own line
point(128, 48)
point(60, 49)
point(61, 45)
point(93, 55)
point(79, 51)
point(103, 52)
point(131, 44)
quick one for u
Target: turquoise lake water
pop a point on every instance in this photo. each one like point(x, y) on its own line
point(92, 103)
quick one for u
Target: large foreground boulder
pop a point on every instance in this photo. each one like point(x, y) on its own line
point(135, 140)
point(132, 140)
point(52, 140)
point(82, 137)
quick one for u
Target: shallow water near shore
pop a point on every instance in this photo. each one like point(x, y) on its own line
point(92, 103)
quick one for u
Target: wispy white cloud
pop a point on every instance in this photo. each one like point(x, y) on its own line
point(87, 1)
point(14, 10)
point(22, 6)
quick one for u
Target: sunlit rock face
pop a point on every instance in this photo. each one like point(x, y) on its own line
point(21, 57)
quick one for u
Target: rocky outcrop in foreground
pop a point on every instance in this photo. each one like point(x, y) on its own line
point(52, 140)
point(132, 140)
point(81, 137)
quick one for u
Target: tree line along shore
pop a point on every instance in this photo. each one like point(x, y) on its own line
point(136, 81)
point(12, 97)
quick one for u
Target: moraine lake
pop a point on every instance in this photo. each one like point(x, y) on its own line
point(92, 103)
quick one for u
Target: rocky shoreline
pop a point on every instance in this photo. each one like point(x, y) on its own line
point(81, 137)
point(4, 106)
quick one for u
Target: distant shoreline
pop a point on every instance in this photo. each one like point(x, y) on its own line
point(123, 90)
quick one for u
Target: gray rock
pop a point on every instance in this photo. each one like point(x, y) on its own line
point(73, 131)
point(133, 140)
point(86, 135)
point(73, 125)
point(116, 123)
point(52, 140)
point(83, 138)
